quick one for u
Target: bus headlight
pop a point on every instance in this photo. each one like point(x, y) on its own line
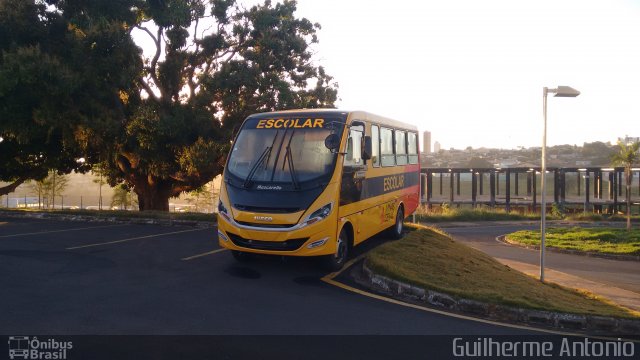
point(317, 215)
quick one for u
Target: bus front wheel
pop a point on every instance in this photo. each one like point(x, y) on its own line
point(334, 262)
point(396, 230)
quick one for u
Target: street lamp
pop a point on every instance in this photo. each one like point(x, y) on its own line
point(560, 91)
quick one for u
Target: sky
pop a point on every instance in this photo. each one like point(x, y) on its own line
point(472, 72)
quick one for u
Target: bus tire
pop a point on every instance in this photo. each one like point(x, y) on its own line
point(240, 256)
point(396, 231)
point(335, 262)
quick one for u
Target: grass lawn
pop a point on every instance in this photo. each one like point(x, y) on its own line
point(432, 260)
point(597, 240)
point(446, 213)
point(600, 217)
point(480, 214)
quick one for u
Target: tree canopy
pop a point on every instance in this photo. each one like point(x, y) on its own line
point(60, 80)
point(74, 84)
point(478, 162)
point(627, 156)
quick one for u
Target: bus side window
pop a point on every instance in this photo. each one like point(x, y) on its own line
point(354, 146)
point(412, 145)
point(375, 145)
point(386, 147)
point(401, 147)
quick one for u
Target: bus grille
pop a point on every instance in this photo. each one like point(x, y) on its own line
point(288, 245)
point(263, 225)
point(260, 209)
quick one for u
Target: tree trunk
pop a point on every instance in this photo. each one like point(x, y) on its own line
point(154, 196)
point(53, 191)
point(628, 194)
point(153, 201)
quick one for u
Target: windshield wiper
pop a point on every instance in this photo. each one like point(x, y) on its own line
point(292, 170)
point(252, 172)
point(275, 160)
point(271, 147)
point(266, 154)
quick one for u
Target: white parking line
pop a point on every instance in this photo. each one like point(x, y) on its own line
point(58, 231)
point(131, 239)
point(203, 254)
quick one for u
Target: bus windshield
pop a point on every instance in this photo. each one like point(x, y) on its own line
point(281, 151)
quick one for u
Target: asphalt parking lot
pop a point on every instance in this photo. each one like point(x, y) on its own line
point(100, 278)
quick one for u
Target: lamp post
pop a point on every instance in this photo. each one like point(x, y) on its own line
point(560, 91)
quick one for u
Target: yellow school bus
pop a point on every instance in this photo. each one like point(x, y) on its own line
point(317, 183)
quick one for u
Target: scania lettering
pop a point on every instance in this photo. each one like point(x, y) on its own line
point(317, 183)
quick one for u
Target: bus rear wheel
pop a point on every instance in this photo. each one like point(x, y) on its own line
point(335, 262)
point(395, 232)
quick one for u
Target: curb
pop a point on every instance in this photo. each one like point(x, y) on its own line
point(467, 224)
point(463, 224)
point(561, 321)
point(111, 219)
point(503, 239)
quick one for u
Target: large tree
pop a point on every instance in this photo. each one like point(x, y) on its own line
point(627, 156)
point(212, 64)
point(33, 82)
point(62, 74)
point(74, 84)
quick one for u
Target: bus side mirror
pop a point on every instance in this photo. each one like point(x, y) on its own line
point(367, 148)
point(332, 142)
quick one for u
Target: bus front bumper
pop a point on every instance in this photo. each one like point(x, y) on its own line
point(315, 240)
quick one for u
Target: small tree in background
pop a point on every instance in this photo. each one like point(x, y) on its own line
point(627, 156)
point(37, 187)
point(123, 197)
point(99, 179)
point(50, 187)
point(202, 197)
point(478, 162)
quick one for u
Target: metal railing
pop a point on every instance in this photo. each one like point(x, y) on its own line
point(597, 189)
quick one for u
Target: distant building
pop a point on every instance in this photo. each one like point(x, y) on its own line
point(436, 147)
point(629, 139)
point(426, 142)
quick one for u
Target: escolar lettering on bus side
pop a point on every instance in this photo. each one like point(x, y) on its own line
point(393, 182)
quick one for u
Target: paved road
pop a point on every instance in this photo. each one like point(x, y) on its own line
point(96, 278)
point(613, 279)
point(622, 274)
